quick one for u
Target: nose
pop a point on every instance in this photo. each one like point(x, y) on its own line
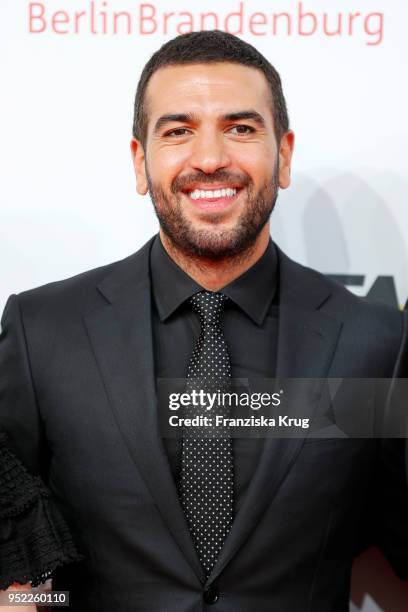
point(209, 152)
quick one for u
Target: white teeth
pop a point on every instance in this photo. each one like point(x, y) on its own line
point(216, 193)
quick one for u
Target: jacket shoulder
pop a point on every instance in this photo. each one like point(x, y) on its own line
point(340, 302)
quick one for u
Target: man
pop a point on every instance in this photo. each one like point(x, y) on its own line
point(179, 525)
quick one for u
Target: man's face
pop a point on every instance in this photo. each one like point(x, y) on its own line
point(211, 162)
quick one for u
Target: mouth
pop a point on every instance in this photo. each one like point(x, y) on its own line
point(213, 200)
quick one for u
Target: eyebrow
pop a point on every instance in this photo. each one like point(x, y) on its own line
point(246, 114)
point(191, 118)
point(173, 118)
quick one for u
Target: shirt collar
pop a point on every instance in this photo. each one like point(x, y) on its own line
point(253, 291)
point(171, 285)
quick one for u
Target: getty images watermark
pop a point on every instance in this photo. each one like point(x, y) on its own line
point(312, 407)
point(232, 401)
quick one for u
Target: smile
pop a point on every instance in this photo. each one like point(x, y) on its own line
point(207, 194)
point(212, 201)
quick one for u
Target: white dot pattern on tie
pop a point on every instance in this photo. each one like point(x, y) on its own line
point(206, 482)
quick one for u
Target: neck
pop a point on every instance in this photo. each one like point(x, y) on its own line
point(215, 274)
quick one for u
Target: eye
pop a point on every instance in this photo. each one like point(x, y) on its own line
point(177, 132)
point(242, 129)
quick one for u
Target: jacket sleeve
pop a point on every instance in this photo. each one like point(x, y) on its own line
point(392, 501)
point(34, 538)
point(19, 414)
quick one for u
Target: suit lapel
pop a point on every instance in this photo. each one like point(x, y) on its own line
point(307, 340)
point(120, 333)
point(121, 336)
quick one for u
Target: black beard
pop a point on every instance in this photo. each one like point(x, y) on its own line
point(214, 244)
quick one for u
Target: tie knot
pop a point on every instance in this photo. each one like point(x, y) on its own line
point(209, 306)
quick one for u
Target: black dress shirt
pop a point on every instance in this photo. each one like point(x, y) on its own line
point(250, 326)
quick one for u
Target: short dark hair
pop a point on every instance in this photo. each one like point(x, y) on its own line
point(205, 48)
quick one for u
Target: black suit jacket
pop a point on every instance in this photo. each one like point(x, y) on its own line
point(77, 393)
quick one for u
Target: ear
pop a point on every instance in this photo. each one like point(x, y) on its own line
point(138, 158)
point(286, 147)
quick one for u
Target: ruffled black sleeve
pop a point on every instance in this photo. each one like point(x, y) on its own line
point(34, 538)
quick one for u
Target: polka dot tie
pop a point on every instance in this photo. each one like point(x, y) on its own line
point(206, 482)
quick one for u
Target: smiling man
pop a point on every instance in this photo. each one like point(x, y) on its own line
point(213, 170)
point(181, 524)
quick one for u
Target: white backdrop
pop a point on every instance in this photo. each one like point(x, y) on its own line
point(68, 201)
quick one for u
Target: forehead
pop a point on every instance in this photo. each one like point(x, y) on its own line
point(207, 89)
